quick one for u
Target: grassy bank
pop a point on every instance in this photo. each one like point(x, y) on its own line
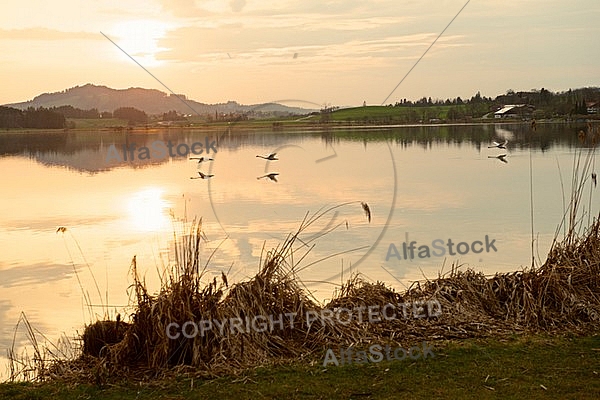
point(95, 123)
point(341, 119)
point(406, 114)
point(523, 367)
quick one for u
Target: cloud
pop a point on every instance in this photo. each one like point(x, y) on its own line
point(46, 34)
point(237, 5)
point(301, 22)
point(50, 224)
point(27, 275)
point(272, 45)
point(193, 9)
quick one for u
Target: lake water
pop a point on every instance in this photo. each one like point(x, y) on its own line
point(421, 184)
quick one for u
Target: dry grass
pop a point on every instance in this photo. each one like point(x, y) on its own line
point(561, 295)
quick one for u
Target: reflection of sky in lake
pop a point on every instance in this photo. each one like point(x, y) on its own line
point(446, 189)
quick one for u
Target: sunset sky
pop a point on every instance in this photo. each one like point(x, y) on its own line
point(338, 52)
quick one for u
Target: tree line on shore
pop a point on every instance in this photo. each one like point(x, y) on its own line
point(56, 117)
point(574, 102)
point(31, 118)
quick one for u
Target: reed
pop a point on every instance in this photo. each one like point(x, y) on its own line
point(562, 296)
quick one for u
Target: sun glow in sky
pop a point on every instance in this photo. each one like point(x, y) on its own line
point(140, 40)
point(326, 51)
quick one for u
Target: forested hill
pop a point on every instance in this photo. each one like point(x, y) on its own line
point(151, 101)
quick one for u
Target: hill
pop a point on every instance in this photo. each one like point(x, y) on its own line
point(151, 101)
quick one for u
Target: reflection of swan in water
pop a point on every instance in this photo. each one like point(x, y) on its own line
point(270, 157)
point(201, 159)
point(504, 133)
point(202, 176)
point(499, 145)
point(501, 157)
point(272, 176)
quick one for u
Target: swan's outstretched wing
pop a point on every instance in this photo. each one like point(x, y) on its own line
point(204, 176)
point(271, 176)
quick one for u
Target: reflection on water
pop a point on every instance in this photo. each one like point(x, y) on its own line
point(88, 151)
point(146, 210)
point(421, 184)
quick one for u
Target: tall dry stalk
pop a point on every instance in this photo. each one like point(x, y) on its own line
point(574, 214)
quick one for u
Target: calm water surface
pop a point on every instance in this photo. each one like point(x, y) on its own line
point(421, 184)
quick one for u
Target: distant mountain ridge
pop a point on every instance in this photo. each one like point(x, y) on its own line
point(151, 101)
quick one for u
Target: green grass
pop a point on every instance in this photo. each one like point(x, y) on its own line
point(395, 114)
point(514, 368)
point(96, 123)
point(357, 115)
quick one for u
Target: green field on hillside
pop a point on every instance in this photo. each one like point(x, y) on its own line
point(405, 114)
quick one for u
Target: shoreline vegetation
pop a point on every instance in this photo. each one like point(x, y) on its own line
point(400, 115)
point(94, 107)
point(516, 315)
point(283, 126)
point(535, 332)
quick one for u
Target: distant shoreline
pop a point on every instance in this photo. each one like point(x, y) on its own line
point(279, 126)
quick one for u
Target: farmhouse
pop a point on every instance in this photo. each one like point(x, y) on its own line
point(515, 111)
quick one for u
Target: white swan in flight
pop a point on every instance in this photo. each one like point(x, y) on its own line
point(201, 159)
point(499, 145)
point(202, 176)
point(367, 211)
point(270, 157)
point(272, 176)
